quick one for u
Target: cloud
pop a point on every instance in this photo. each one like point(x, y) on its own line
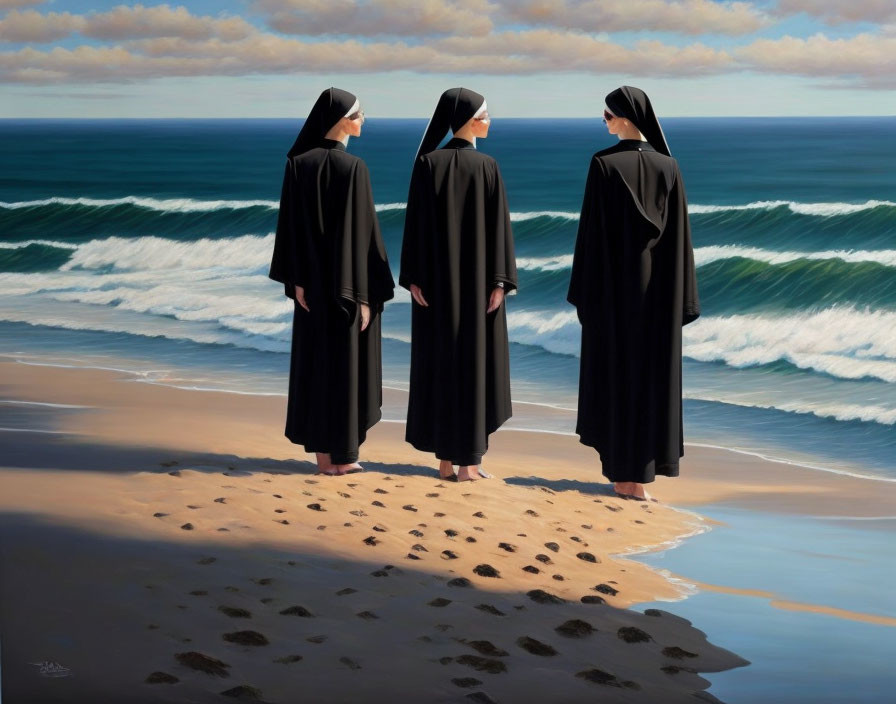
point(869, 59)
point(683, 16)
point(508, 53)
point(31, 26)
point(840, 12)
point(169, 41)
point(122, 22)
point(7, 4)
point(417, 18)
point(549, 51)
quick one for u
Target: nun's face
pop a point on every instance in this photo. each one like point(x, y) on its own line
point(480, 125)
point(612, 122)
point(352, 123)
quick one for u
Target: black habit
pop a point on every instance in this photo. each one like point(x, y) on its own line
point(328, 242)
point(634, 286)
point(457, 247)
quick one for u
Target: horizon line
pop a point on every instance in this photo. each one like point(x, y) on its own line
point(426, 117)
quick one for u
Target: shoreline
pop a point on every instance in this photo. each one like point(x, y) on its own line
point(140, 377)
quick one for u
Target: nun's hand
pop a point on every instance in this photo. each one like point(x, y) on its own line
point(496, 299)
point(300, 297)
point(365, 316)
point(418, 295)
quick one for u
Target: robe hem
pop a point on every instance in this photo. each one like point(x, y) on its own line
point(665, 469)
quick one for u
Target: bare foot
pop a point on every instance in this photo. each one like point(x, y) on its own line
point(446, 470)
point(324, 465)
point(468, 472)
point(348, 468)
point(634, 490)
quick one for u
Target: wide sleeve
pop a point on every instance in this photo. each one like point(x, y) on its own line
point(502, 260)
point(591, 227)
point(287, 262)
point(418, 229)
point(372, 258)
point(355, 281)
point(690, 297)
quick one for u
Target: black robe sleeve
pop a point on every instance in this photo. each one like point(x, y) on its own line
point(416, 246)
point(591, 226)
point(362, 269)
point(501, 258)
point(288, 260)
point(681, 224)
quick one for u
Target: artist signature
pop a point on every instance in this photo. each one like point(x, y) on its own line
point(50, 668)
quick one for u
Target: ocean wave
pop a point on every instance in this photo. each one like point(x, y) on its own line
point(545, 214)
point(713, 253)
point(177, 331)
point(168, 205)
point(871, 413)
point(555, 263)
point(841, 341)
point(245, 253)
point(43, 243)
point(556, 332)
point(819, 209)
point(705, 255)
point(194, 205)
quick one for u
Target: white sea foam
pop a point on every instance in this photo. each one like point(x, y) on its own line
point(48, 243)
point(818, 209)
point(871, 413)
point(169, 205)
point(381, 207)
point(556, 214)
point(712, 253)
point(561, 261)
point(842, 341)
point(246, 252)
point(705, 255)
point(194, 205)
point(554, 331)
point(224, 281)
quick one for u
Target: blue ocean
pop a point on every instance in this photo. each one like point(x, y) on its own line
point(145, 245)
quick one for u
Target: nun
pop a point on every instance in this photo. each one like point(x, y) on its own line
point(329, 255)
point(634, 286)
point(457, 260)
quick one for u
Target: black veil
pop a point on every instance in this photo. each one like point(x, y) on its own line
point(331, 106)
point(455, 108)
point(633, 104)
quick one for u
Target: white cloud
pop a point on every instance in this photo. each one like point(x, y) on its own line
point(122, 22)
point(7, 4)
point(418, 18)
point(867, 58)
point(531, 52)
point(684, 16)
point(31, 26)
point(839, 12)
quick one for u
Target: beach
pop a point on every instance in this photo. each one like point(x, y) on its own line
point(152, 507)
point(144, 525)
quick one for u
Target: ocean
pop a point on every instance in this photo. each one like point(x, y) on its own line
point(145, 245)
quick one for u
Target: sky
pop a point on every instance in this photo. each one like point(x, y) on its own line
point(530, 58)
